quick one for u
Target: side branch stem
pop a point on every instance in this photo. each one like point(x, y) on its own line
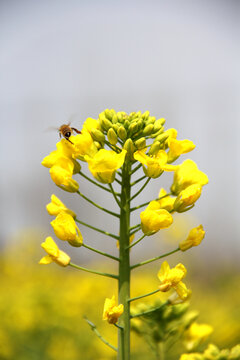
point(96, 229)
point(100, 252)
point(141, 189)
point(93, 271)
point(94, 329)
point(145, 295)
point(154, 259)
point(98, 206)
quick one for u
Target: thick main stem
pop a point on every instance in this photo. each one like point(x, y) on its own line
point(124, 265)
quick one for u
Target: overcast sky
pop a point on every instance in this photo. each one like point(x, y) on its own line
point(177, 59)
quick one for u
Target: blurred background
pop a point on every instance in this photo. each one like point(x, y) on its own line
point(64, 61)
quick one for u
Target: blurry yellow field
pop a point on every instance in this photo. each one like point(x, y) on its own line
point(42, 309)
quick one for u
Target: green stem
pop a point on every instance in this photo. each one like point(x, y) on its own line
point(94, 182)
point(135, 226)
point(124, 264)
point(146, 203)
point(136, 242)
point(147, 312)
point(138, 180)
point(96, 229)
point(93, 271)
point(114, 195)
point(98, 206)
point(140, 190)
point(100, 252)
point(119, 182)
point(145, 295)
point(154, 259)
point(94, 329)
point(136, 168)
point(113, 147)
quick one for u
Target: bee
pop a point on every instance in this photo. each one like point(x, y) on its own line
point(66, 131)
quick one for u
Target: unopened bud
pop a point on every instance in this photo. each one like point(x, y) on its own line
point(98, 145)
point(126, 124)
point(116, 127)
point(112, 136)
point(122, 133)
point(97, 135)
point(129, 147)
point(162, 138)
point(157, 125)
point(159, 132)
point(140, 143)
point(114, 119)
point(133, 128)
point(151, 120)
point(155, 147)
point(106, 124)
point(148, 130)
point(120, 116)
point(145, 115)
point(109, 114)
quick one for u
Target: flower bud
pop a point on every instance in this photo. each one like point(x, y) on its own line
point(126, 124)
point(140, 143)
point(128, 145)
point(155, 147)
point(157, 125)
point(151, 120)
point(120, 116)
point(98, 145)
point(145, 115)
point(122, 133)
point(114, 119)
point(112, 136)
point(97, 135)
point(162, 138)
point(109, 114)
point(133, 128)
point(106, 124)
point(148, 130)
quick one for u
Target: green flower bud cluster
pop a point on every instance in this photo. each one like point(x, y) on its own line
point(161, 322)
point(131, 130)
point(213, 353)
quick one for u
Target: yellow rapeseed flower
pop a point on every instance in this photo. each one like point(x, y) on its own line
point(153, 218)
point(83, 144)
point(104, 164)
point(66, 229)
point(167, 202)
point(178, 147)
point(56, 206)
point(61, 173)
point(172, 279)
point(187, 197)
point(196, 334)
point(54, 254)
point(111, 311)
point(187, 174)
point(194, 238)
point(193, 356)
point(153, 166)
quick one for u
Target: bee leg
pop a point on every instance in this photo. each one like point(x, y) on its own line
point(69, 141)
point(76, 130)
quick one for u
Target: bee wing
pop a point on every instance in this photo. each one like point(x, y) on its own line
point(51, 128)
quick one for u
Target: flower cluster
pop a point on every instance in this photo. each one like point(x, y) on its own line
point(115, 146)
